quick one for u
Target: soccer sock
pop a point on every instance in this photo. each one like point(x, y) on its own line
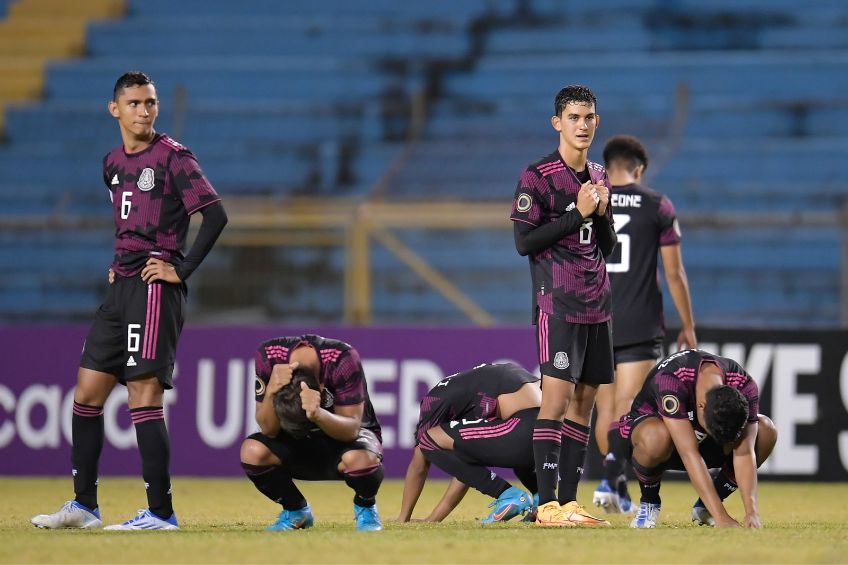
point(475, 476)
point(649, 482)
point(275, 482)
point(725, 481)
point(87, 439)
point(527, 476)
point(615, 459)
point(546, 451)
point(155, 450)
point(575, 442)
point(365, 483)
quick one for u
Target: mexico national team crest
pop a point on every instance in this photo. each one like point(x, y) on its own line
point(146, 179)
point(561, 360)
point(524, 202)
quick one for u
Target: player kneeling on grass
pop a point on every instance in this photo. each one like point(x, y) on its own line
point(317, 424)
point(698, 411)
point(467, 422)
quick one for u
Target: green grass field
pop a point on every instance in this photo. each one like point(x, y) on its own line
point(223, 520)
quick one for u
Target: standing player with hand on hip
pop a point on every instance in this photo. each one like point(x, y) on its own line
point(647, 225)
point(563, 222)
point(155, 185)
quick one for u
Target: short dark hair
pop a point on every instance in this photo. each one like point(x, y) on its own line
point(625, 151)
point(128, 79)
point(288, 407)
point(574, 93)
point(725, 414)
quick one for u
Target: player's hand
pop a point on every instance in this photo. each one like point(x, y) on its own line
point(686, 339)
point(111, 276)
point(727, 522)
point(310, 399)
point(587, 199)
point(753, 521)
point(158, 270)
point(281, 375)
point(603, 198)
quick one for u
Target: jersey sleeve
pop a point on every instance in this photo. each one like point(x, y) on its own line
point(347, 380)
point(668, 224)
point(752, 394)
point(672, 398)
point(263, 372)
point(189, 182)
point(528, 205)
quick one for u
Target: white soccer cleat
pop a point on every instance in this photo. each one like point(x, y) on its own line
point(607, 498)
point(701, 516)
point(71, 515)
point(647, 516)
point(146, 520)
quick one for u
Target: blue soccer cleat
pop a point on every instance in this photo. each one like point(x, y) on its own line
point(701, 516)
point(607, 498)
point(647, 516)
point(367, 518)
point(71, 515)
point(531, 514)
point(293, 520)
point(511, 503)
point(146, 521)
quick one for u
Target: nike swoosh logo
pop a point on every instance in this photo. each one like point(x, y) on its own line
point(499, 515)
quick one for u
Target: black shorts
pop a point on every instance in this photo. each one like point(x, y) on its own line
point(580, 353)
point(317, 456)
point(644, 351)
point(712, 453)
point(495, 442)
point(136, 329)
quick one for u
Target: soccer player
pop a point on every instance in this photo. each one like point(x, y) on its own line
point(698, 411)
point(646, 225)
point(317, 424)
point(563, 222)
point(469, 421)
point(155, 185)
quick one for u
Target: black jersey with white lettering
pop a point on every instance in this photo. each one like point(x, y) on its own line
point(669, 389)
point(472, 394)
point(645, 220)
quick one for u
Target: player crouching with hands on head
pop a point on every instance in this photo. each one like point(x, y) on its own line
point(698, 411)
point(317, 424)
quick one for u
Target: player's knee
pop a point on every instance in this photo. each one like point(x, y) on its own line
point(256, 453)
point(358, 459)
point(652, 441)
point(766, 438)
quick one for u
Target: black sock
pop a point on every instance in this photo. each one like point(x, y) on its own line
point(275, 482)
point(547, 440)
point(365, 483)
point(650, 479)
point(475, 476)
point(527, 476)
point(87, 439)
point(614, 464)
point(725, 481)
point(575, 441)
point(155, 450)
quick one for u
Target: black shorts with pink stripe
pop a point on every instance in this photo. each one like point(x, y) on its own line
point(580, 353)
point(495, 442)
point(136, 329)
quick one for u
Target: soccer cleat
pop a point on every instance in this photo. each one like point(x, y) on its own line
point(71, 515)
point(530, 516)
point(293, 520)
point(701, 516)
point(605, 497)
point(647, 516)
point(551, 514)
point(511, 503)
point(625, 504)
point(144, 521)
point(367, 518)
point(576, 514)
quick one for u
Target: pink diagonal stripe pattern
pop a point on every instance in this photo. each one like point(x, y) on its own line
point(87, 411)
point(547, 435)
point(575, 434)
point(151, 328)
point(148, 321)
point(497, 430)
point(544, 356)
point(146, 414)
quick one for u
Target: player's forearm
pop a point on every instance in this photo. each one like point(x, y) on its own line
point(745, 469)
point(701, 481)
point(530, 239)
point(678, 287)
point(413, 484)
point(607, 238)
point(214, 220)
point(266, 417)
point(342, 428)
point(453, 496)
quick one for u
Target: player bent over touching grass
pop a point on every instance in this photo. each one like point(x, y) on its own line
point(317, 424)
point(563, 223)
point(155, 185)
point(469, 421)
point(647, 226)
point(698, 410)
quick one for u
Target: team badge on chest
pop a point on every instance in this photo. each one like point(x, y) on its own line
point(146, 179)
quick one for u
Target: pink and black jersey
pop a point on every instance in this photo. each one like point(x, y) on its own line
point(669, 389)
point(340, 374)
point(645, 220)
point(570, 280)
point(153, 194)
point(470, 395)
